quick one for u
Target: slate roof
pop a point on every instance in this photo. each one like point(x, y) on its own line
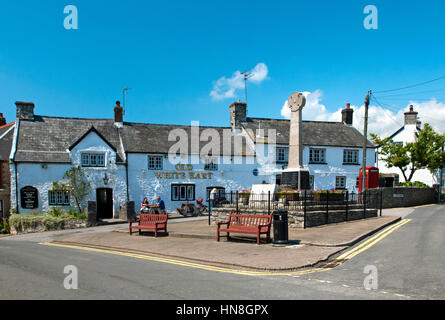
point(6, 141)
point(47, 139)
point(315, 133)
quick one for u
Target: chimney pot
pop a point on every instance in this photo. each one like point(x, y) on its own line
point(118, 113)
point(347, 115)
point(411, 116)
point(2, 120)
point(25, 110)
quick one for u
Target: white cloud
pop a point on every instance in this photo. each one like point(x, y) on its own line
point(224, 88)
point(382, 121)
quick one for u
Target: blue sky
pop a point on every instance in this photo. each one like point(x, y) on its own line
point(172, 53)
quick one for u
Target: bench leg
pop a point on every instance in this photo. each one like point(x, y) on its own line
point(268, 236)
point(228, 236)
point(140, 231)
point(258, 238)
point(217, 235)
point(156, 233)
point(131, 231)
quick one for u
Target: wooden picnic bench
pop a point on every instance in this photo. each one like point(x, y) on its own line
point(146, 221)
point(246, 224)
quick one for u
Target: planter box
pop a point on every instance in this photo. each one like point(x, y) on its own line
point(320, 197)
point(291, 196)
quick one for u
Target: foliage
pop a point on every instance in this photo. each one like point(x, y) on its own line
point(245, 192)
point(414, 184)
point(25, 221)
point(426, 152)
point(4, 227)
point(78, 185)
point(330, 191)
point(55, 212)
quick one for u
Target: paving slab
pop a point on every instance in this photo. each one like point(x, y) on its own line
point(195, 241)
point(243, 255)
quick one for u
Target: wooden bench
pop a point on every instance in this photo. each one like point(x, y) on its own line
point(155, 222)
point(246, 224)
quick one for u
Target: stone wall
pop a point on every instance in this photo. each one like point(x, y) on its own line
point(5, 188)
point(296, 218)
point(405, 197)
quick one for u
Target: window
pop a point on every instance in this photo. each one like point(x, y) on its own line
point(154, 163)
point(340, 182)
point(93, 160)
point(317, 156)
point(282, 155)
point(211, 165)
point(350, 157)
point(183, 192)
point(59, 198)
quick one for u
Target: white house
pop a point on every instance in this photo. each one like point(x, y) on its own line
point(129, 161)
point(404, 135)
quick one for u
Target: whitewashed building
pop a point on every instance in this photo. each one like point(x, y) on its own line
point(406, 134)
point(129, 161)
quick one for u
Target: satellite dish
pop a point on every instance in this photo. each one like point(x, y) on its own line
point(296, 101)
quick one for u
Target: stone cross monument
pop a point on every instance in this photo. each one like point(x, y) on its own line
point(296, 176)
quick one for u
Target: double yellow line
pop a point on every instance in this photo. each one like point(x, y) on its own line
point(328, 266)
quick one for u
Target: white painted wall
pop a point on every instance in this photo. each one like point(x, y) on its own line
point(41, 177)
point(408, 134)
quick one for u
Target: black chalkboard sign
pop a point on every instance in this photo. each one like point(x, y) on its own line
point(29, 198)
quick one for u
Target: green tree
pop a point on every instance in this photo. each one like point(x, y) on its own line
point(78, 185)
point(426, 152)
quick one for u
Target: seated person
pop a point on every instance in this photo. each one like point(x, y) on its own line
point(144, 206)
point(160, 203)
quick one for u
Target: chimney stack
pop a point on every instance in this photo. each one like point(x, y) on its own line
point(238, 113)
point(118, 113)
point(25, 110)
point(347, 115)
point(2, 120)
point(411, 116)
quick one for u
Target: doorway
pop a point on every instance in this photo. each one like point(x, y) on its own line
point(104, 201)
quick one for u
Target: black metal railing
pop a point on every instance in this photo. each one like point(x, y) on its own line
point(306, 202)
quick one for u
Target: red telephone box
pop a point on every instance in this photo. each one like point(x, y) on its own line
point(372, 178)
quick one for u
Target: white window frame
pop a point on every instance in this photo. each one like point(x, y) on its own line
point(93, 159)
point(183, 192)
point(210, 164)
point(59, 198)
point(282, 155)
point(155, 162)
point(317, 155)
point(339, 184)
point(350, 156)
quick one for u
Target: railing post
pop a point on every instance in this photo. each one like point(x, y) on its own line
point(305, 210)
point(231, 197)
point(210, 209)
point(268, 202)
point(381, 202)
point(364, 204)
point(347, 205)
point(237, 197)
point(327, 207)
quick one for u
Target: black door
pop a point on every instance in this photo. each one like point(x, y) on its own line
point(104, 203)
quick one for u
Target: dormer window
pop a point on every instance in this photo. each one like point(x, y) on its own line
point(93, 160)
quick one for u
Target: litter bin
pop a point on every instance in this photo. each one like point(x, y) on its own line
point(280, 227)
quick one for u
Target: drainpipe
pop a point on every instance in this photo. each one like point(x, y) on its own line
point(126, 175)
point(12, 157)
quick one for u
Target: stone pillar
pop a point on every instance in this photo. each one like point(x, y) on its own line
point(296, 176)
point(127, 212)
point(92, 214)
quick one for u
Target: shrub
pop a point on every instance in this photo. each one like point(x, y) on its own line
point(55, 212)
point(4, 228)
point(413, 184)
